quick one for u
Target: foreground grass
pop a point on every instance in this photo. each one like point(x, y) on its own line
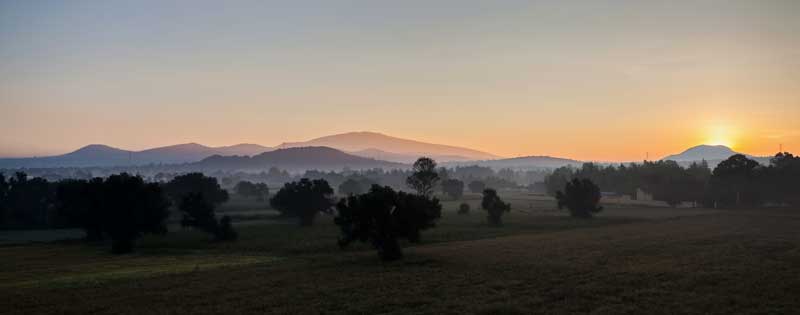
point(673, 262)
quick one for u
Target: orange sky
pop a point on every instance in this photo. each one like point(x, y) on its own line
point(589, 81)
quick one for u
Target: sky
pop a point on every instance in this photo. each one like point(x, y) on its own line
point(591, 80)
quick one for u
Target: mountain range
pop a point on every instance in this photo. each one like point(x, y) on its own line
point(354, 149)
point(102, 155)
point(370, 145)
point(380, 146)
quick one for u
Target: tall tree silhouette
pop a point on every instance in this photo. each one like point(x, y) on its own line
point(424, 176)
point(495, 206)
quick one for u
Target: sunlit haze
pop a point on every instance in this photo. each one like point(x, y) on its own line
point(599, 80)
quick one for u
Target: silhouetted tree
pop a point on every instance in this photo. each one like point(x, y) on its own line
point(199, 213)
point(423, 177)
point(132, 207)
point(783, 174)
point(477, 187)
point(463, 208)
point(27, 200)
point(382, 216)
point(734, 182)
point(303, 199)
point(3, 197)
point(556, 181)
point(81, 203)
point(181, 186)
point(580, 197)
point(453, 188)
point(495, 206)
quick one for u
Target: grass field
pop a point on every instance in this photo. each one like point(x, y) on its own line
point(631, 259)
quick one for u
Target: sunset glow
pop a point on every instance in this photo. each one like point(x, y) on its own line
point(580, 80)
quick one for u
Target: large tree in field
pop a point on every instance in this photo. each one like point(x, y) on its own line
point(200, 213)
point(453, 188)
point(198, 196)
point(383, 216)
point(495, 206)
point(81, 203)
point(192, 183)
point(424, 176)
point(132, 208)
point(783, 175)
point(27, 200)
point(735, 182)
point(581, 197)
point(303, 199)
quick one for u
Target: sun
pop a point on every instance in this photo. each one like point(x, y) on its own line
point(720, 134)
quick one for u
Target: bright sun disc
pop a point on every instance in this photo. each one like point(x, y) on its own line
point(720, 135)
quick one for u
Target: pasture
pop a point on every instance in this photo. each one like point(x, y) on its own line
point(631, 259)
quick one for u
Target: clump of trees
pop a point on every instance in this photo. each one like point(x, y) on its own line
point(453, 188)
point(383, 216)
point(122, 207)
point(24, 202)
point(463, 208)
point(424, 176)
point(735, 182)
point(304, 199)
point(581, 197)
point(247, 189)
point(191, 183)
point(495, 206)
point(197, 197)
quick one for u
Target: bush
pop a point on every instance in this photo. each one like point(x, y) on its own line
point(581, 197)
point(495, 206)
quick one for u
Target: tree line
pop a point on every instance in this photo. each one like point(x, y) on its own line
point(120, 208)
point(735, 182)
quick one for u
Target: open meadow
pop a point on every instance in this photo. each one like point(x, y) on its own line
point(629, 259)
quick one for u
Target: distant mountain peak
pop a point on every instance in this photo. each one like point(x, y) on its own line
point(703, 152)
point(96, 146)
point(370, 141)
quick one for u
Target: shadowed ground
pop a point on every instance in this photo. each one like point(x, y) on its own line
point(718, 262)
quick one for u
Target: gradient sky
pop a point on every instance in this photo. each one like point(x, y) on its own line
point(594, 80)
